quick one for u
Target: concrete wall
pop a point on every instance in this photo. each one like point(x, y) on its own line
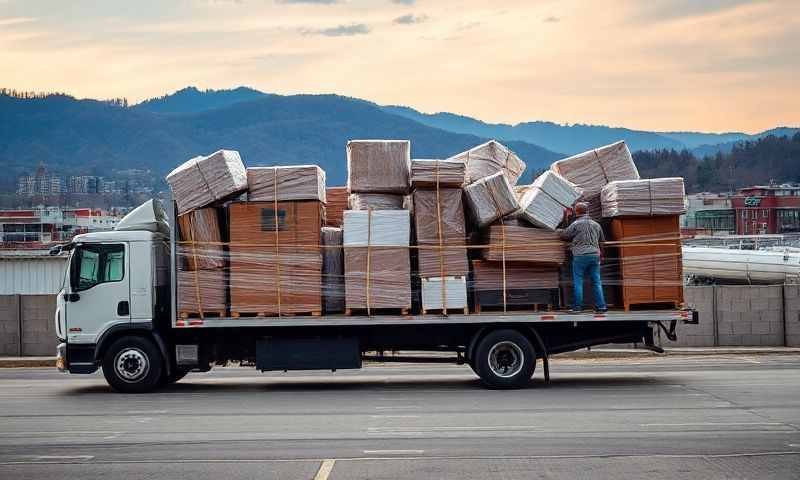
point(26, 325)
point(741, 315)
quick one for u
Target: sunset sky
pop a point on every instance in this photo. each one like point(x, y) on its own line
point(710, 65)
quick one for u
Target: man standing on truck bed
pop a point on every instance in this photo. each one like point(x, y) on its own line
point(585, 237)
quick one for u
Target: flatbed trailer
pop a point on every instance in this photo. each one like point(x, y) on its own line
point(118, 310)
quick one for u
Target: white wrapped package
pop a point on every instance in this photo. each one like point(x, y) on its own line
point(490, 198)
point(201, 181)
point(295, 182)
point(436, 291)
point(657, 196)
point(489, 158)
point(591, 171)
point(544, 202)
point(388, 228)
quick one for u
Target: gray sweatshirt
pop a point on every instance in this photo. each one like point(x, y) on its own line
point(585, 236)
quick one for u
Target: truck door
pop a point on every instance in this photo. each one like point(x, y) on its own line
point(98, 294)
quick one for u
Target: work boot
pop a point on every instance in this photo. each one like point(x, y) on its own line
point(575, 310)
point(601, 310)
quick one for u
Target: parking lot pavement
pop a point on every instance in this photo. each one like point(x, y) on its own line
point(715, 416)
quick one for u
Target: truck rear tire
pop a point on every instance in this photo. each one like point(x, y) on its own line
point(505, 359)
point(133, 365)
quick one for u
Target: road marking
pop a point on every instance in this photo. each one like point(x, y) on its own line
point(399, 407)
point(795, 445)
point(456, 428)
point(394, 452)
point(394, 416)
point(146, 412)
point(708, 424)
point(325, 469)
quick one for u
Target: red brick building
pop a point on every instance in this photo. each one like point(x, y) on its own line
point(767, 209)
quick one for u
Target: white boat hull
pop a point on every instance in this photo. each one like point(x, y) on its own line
point(742, 265)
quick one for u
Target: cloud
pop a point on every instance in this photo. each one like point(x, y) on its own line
point(341, 30)
point(410, 19)
point(404, 2)
point(7, 22)
point(674, 9)
point(551, 19)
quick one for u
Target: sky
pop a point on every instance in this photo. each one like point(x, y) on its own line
point(708, 65)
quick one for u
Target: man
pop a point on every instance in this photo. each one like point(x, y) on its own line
point(585, 237)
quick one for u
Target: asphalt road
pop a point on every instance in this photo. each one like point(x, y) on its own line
point(668, 417)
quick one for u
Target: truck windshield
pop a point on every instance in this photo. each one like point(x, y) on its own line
point(99, 264)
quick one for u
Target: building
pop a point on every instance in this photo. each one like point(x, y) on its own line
point(709, 214)
point(40, 183)
point(84, 184)
point(767, 209)
point(37, 227)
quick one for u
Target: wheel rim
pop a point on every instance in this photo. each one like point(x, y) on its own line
point(506, 359)
point(131, 365)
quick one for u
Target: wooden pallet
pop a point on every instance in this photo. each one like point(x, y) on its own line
point(663, 305)
point(206, 314)
point(376, 311)
point(313, 313)
point(440, 311)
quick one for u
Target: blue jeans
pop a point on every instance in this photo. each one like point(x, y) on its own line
point(587, 264)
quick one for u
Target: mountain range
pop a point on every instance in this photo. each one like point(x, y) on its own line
point(73, 136)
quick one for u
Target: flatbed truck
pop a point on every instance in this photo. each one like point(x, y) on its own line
point(117, 311)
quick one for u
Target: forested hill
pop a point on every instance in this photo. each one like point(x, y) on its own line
point(74, 137)
point(772, 158)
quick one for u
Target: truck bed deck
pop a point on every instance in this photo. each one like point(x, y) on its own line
point(478, 318)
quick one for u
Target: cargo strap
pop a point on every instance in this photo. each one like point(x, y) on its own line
point(369, 254)
point(194, 262)
point(277, 235)
point(441, 242)
point(600, 164)
point(205, 181)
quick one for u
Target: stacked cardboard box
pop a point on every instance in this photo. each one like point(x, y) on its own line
point(543, 202)
point(513, 242)
point(333, 295)
point(514, 284)
point(441, 236)
point(649, 252)
point(201, 264)
point(301, 182)
point(379, 166)
point(489, 158)
point(376, 260)
point(276, 260)
point(657, 196)
point(337, 199)
point(202, 181)
point(490, 198)
point(591, 171)
point(430, 173)
point(377, 201)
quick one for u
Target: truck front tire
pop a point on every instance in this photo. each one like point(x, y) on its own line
point(505, 359)
point(133, 365)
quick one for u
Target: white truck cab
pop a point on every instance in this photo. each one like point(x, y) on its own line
point(116, 282)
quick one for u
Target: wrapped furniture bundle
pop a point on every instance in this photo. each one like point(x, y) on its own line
point(519, 285)
point(543, 204)
point(377, 201)
point(440, 232)
point(376, 259)
point(430, 172)
point(591, 171)
point(200, 244)
point(300, 182)
point(657, 196)
point(524, 244)
point(202, 181)
point(337, 198)
point(276, 261)
point(490, 198)
point(489, 158)
point(649, 252)
point(379, 166)
point(202, 292)
point(332, 270)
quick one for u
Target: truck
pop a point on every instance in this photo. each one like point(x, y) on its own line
point(117, 311)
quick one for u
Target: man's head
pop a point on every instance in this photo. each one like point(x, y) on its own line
point(581, 208)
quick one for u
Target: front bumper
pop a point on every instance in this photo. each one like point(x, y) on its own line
point(61, 358)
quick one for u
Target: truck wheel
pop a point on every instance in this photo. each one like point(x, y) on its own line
point(132, 365)
point(505, 359)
